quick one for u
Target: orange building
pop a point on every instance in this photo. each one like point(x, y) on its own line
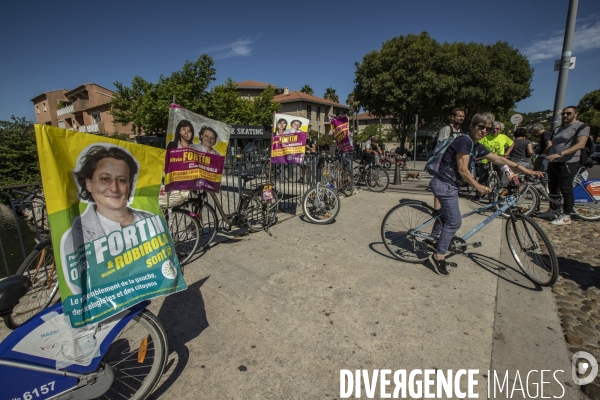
point(85, 108)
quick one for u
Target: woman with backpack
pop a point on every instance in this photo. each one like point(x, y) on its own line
point(457, 163)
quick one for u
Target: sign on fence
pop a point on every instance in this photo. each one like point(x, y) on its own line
point(339, 126)
point(111, 243)
point(196, 151)
point(289, 139)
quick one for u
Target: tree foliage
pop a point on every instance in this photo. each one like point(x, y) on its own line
point(589, 111)
point(331, 95)
point(146, 104)
point(307, 89)
point(415, 75)
point(18, 152)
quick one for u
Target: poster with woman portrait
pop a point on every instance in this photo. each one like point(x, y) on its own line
point(111, 243)
point(289, 139)
point(196, 149)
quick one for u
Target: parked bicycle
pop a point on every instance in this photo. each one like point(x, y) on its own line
point(39, 266)
point(121, 357)
point(321, 203)
point(374, 176)
point(404, 231)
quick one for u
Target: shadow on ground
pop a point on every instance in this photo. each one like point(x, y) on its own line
point(184, 318)
point(503, 271)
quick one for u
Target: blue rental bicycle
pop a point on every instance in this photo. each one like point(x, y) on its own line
point(121, 357)
point(406, 226)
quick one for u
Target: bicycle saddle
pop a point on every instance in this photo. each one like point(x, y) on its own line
point(11, 290)
point(247, 177)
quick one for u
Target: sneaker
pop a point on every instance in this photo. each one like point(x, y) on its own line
point(562, 220)
point(431, 243)
point(439, 265)
point(547, 215)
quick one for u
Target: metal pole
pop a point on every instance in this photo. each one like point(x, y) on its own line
point(415, 142)
point(565, 61)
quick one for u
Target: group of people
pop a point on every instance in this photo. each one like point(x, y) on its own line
point(558, 154)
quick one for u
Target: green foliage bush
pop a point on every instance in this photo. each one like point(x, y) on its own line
point(18, 153)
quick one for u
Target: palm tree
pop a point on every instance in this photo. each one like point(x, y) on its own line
point(355, 106)
point(307, 89)
point(331, 95)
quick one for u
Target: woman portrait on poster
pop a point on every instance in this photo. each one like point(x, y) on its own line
point(106, 180)
point(208, 138)
point(184, 136)
point(281, 125)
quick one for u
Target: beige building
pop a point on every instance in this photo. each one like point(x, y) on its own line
point(85, 108)
point(366, 119)
point(316, 109)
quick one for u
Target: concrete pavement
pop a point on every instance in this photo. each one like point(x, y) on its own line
point(279, 317)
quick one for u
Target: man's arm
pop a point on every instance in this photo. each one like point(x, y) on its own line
point(580, 144)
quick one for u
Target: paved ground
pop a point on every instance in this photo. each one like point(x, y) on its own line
point(279, 316)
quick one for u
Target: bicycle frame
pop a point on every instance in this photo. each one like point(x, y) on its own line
point(47, 343)
point(510, 201)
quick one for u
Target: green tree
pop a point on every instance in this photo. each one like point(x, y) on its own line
point(146, 104)
point(331, 95)
point(589, 111)
point(307, 89)
point(226, 104)
point(415, 75)
point(18, 153)
point(371, 130)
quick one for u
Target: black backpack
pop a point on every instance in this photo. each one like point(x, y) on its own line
point(587, 151)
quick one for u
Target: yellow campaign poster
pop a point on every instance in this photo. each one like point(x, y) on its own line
point(111, 242)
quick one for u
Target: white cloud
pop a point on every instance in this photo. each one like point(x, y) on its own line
point(587, 37)
point(239, 48)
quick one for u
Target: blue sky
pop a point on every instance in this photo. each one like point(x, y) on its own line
point(62, 44)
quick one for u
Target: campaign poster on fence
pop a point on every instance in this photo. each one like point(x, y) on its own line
point(341, 134)
point(289, 139)
point(112, 246)
point(196, 151)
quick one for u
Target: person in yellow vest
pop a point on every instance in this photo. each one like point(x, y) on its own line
point(496, 142)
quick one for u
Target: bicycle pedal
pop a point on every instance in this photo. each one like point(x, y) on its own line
point(476, 244)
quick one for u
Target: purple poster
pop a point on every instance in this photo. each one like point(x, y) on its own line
point(341, 135)
point(195, 151)
point(289, 139)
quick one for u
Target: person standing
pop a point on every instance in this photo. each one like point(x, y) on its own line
point(457, 116)
point(521, 149)
point(496, 143)
point(563, 161)
point(545, 139)
point(306, 168)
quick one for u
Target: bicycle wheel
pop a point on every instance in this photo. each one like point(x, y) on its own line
point(208, 224)
point(587, 211)
point(532, 250)
point(185, 232)
point(356, 175)
point(346, 182)
point(321, 204)
point(138, 356)
point(40, 267)
point(378, 179)
point(494, 184)
point(527, 203)
point(397, 227)
point(261, 214)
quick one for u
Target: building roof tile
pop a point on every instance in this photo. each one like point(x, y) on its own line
point(300, 96)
